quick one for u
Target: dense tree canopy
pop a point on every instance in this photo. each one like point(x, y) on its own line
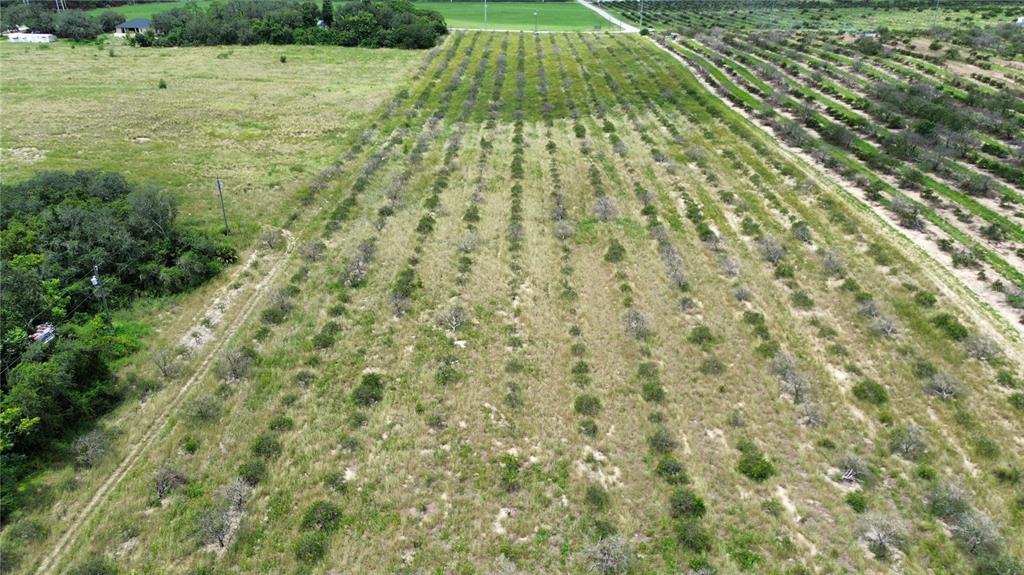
point(55, 229)
point(387, 23)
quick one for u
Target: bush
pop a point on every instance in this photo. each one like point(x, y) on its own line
point(587, 405)
point(947, 500)
point(369, 391)
point(90, 448)
point(672, 471)
point(281, 423)
point(596, 497)
point(253, 472)
point(662, 441)
point(637, 325)
point(908, 442)
point(167, 480)
point(311, 547)
point(321, 516)
point(692, 536)
point(977, 534)
point(857, 501)
point(701, 335)
point(615, 253)
point(752, 462)
point(943, 386)
point(884, 534)
point(685, 504)
point(950, 326)
point(588, 427)
point(266, 447)
point(162, 84)
point(611, 555)
point(1017, 401)
point(870, 391)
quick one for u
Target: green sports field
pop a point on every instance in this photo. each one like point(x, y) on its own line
point(558, 16)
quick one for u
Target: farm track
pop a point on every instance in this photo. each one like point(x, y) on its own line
point(53, 559)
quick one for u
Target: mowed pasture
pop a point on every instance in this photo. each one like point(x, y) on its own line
point(562, 302)
point(239, 113)
point(149, 9)
point(551, 16)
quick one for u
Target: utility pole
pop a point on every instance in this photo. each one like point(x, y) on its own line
point(485, 14)
point(641, 14)
point(535, 30)
point(220, 192)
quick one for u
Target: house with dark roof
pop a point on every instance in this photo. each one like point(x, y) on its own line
point(134, 26)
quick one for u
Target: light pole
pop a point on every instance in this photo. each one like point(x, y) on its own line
point(535, 31)
point(641, 14)
point(485, 14)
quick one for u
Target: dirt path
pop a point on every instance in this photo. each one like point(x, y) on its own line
point(629, 28)
point(978, 300)
point(248, 305)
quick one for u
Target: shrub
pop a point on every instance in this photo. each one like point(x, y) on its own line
point(311, 547)
point(90, 448)
point(925, 299)
point(587, 405)
point(672, 471)
point(692, 536)
point(321, 516)
point(596, 497)
point(611, 555)
point(981, 347)
point(943, 386)
point(752, 462)
point(701, 335)
point(253, 472)
point(1017, 401)
point(853, 469)
point(857, 501)
point(166, 480)
point(615, 253)
point(95, 566)
point(947, 500)
point(163, 84)
point(588, 427)
point(652, 390)
point(950, 326)
point(884, 534)
point(281, 423)
point(637, 325)
point(605, 209)
point(369, 391)
point(977, 534)
point(662, 440)
point(266, 446)
point(509, 468)
point(235, 364)
point(908, 442)
point(685, 504)
point(870, 391)
point(204, 408)
point(336, 482)
point(453, 319)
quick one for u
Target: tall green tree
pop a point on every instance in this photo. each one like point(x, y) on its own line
point(327, 13)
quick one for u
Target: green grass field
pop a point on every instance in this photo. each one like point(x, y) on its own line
point(554, 16)
point(551, 16)
point(263, 126)
point(147, 10)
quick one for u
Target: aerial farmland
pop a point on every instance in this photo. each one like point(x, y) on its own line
point(692, 287)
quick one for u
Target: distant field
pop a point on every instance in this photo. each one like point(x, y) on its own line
point(557, 16)
point(234, 112)
point(560, 16)
point(669, 15)
point(147, 10)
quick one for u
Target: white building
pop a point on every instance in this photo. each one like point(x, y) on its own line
point(31, 38)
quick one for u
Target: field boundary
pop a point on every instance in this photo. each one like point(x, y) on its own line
point(625, 27)
point(157, 424)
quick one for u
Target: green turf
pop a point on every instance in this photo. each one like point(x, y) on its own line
point(559, 16)
point(147, 10)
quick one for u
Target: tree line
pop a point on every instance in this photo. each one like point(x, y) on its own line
point(70, 24)
point(367, 23)
point(57, 229)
